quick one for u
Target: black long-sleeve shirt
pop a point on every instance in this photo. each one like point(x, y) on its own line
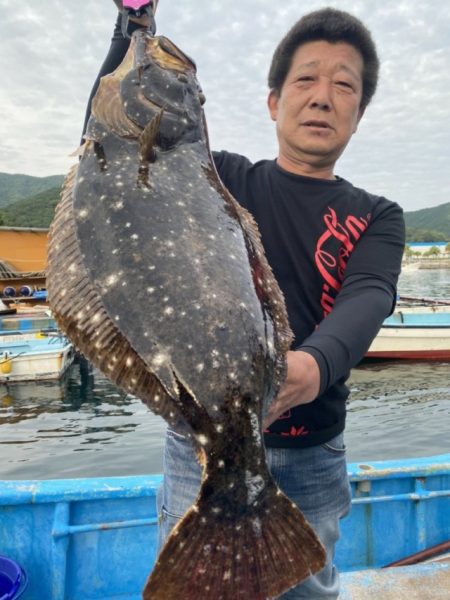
point(335, 251)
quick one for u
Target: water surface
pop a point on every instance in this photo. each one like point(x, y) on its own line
point(84, 426)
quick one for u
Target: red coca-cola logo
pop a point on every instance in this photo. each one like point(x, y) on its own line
point(331, 258)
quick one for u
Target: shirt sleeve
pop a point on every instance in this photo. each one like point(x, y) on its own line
point(366, 298)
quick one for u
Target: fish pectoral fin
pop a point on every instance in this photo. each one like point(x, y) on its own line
point(261, 551)
point(147, 142)
point(149, 138)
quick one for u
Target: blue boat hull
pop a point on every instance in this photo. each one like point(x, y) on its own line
point(97, 538)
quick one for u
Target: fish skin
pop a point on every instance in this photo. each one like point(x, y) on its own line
point(159, 277)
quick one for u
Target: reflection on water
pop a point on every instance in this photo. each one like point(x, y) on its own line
point(84, 426)
point(80, 426)
point(398, 409)
point(434, 283)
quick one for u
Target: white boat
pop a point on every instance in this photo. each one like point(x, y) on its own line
point(416, 330)
point(26, 320)
point(33, 356)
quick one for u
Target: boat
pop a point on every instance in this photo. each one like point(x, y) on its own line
point(34, 356)
point(418, 329)
point(97, 537)
point(27, 320)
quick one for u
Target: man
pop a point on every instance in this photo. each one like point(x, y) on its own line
point(335, 251)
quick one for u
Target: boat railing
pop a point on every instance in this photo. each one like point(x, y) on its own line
point(399, 507)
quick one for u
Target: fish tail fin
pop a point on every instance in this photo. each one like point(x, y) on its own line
point(258, 554)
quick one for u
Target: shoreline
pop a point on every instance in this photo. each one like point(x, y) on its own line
point(426, 263)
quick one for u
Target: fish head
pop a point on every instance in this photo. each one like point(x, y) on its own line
point(163, 78)
point(167, 55)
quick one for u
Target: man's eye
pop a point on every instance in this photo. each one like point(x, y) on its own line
point(305, 78)
point(344, 84)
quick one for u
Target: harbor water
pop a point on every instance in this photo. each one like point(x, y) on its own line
point(83, 426)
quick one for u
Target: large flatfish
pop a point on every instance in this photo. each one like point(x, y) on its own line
point(158, 276)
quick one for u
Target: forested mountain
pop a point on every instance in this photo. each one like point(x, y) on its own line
point(436, 218)
point(31, 203)
point(15, 187)
point(36, 211)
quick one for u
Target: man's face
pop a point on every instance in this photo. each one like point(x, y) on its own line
point(318, 109)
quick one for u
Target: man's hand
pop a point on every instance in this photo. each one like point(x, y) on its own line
point(301, 386)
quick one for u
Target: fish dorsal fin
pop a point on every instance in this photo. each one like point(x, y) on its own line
point(149, 137)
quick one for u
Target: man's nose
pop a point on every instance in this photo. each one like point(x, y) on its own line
point(321, 94)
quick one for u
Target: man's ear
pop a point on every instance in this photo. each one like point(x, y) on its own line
point(272, 103)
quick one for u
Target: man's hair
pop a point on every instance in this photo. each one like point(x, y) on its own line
point(333, 26)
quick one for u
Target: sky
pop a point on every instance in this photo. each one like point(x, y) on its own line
point(51, 51)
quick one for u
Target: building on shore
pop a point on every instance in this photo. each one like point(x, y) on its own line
point(424, 247)
point(23, 259)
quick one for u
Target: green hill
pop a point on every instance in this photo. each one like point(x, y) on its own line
point(27, 201)
point(15, 187)
point(436, 218)
point(36, 211)
point(413, 234)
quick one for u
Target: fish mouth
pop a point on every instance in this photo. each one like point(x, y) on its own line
point(168, 56)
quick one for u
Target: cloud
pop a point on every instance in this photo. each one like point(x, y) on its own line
point(50, 53)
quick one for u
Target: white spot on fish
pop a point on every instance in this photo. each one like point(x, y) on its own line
point(227, 575)
point(168, 311)
point(199, 368)
point(221, 464)
point(202, 439)
point(159, 359)
point(256, 526)
point(129, 361)
point(219, 428)
point(134, 236)
point(112, 279)
point(255, 484)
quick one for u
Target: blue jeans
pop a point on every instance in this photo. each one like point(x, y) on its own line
point(314, 478)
